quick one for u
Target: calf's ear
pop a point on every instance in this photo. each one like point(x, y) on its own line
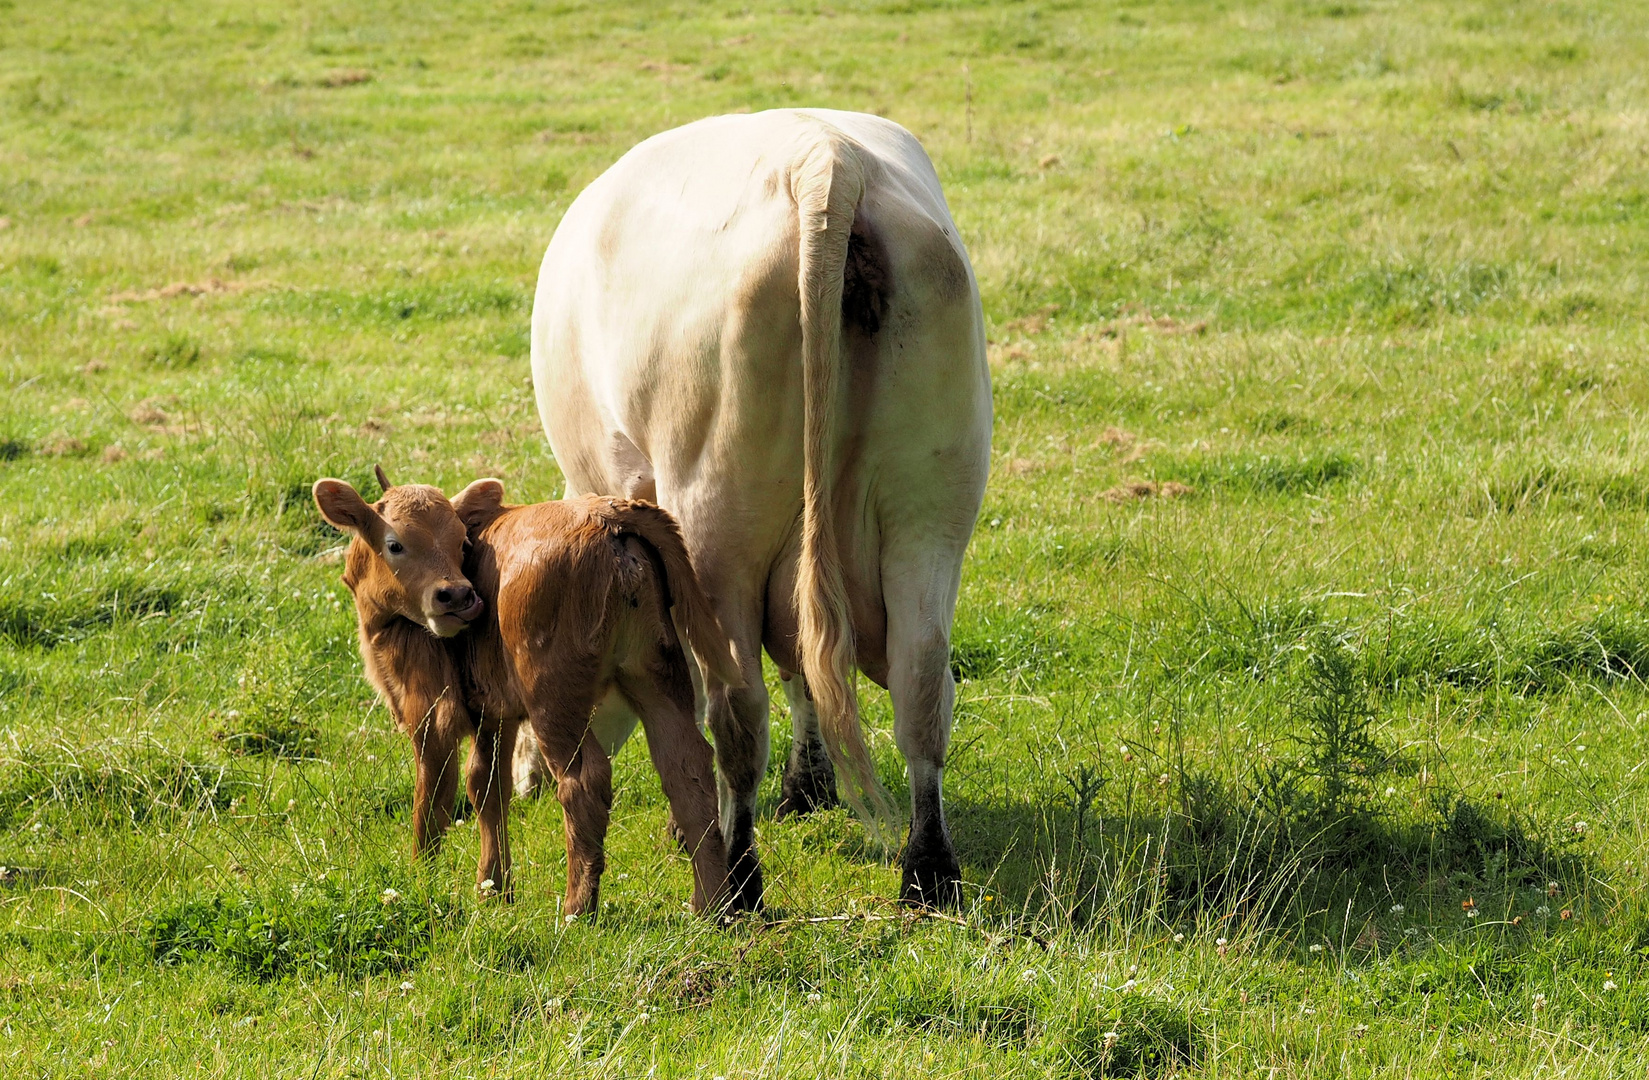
point(481, 498)
point(343, 507)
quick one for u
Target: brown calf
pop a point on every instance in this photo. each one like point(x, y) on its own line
point(566, 607)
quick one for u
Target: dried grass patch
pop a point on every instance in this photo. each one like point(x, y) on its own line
point(332, 80)
point(1132, 490)
point(209, 287)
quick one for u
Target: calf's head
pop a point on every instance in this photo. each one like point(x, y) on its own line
point(406, 555)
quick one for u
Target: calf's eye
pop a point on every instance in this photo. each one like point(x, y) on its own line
point(395, 547)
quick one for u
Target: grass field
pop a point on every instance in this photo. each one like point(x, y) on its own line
point(1328, 765)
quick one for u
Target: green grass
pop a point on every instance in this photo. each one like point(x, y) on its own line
point(1367, 277)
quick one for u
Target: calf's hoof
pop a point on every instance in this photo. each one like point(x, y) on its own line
point(932, 878)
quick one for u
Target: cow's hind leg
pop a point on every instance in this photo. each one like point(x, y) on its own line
point(920, 599)
point(809, 778)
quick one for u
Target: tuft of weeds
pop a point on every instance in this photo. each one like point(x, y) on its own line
point(176, 351)
point(997, 1011)
point(46, 606)
point(1499, 847)
point(279, 701)
point(477, 1017)
point(116, 784)
point(1259, 640)
point(1127, 1034)
point(1549, 485)
point(1267, 474)
point(1013, 643)
point(1335, 730)
point(326, 928)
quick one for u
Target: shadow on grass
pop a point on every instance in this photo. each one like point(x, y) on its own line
point(1299, 832)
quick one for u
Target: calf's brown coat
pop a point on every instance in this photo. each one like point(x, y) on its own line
point(475, 616)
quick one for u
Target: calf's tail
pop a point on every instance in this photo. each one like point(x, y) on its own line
point(828, 182)
point(661, 533)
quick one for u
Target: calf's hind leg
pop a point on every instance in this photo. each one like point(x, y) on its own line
point(584, 785)
point(662, 694)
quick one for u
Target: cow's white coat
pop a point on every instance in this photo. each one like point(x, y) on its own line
point(667, 354)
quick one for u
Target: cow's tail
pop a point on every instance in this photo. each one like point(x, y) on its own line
point(828, 182)
point(698, 617)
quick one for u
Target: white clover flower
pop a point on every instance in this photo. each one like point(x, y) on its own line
point(1390, 791)
point(1178, 938)
point(1398, 909)
point(1219, 941)
point(389, 896)
point(1610, 984)
point(487, 887)
point(1316, 948)
point(814, 999)
point(1110, 1039)
point(406, 986)
point(1538, 1003)
point(1543, 911)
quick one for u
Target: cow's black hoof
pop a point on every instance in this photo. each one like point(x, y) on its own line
point(932, 878)
point(807, 786)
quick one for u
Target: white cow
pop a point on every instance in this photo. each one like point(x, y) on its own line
point(768, 325)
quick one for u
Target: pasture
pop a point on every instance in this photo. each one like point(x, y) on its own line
point(1300, 643)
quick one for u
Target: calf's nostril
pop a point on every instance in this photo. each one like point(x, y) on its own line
point(443, 596)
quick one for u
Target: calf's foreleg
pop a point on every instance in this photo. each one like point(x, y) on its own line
point(435, 782)
point(489, 783)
